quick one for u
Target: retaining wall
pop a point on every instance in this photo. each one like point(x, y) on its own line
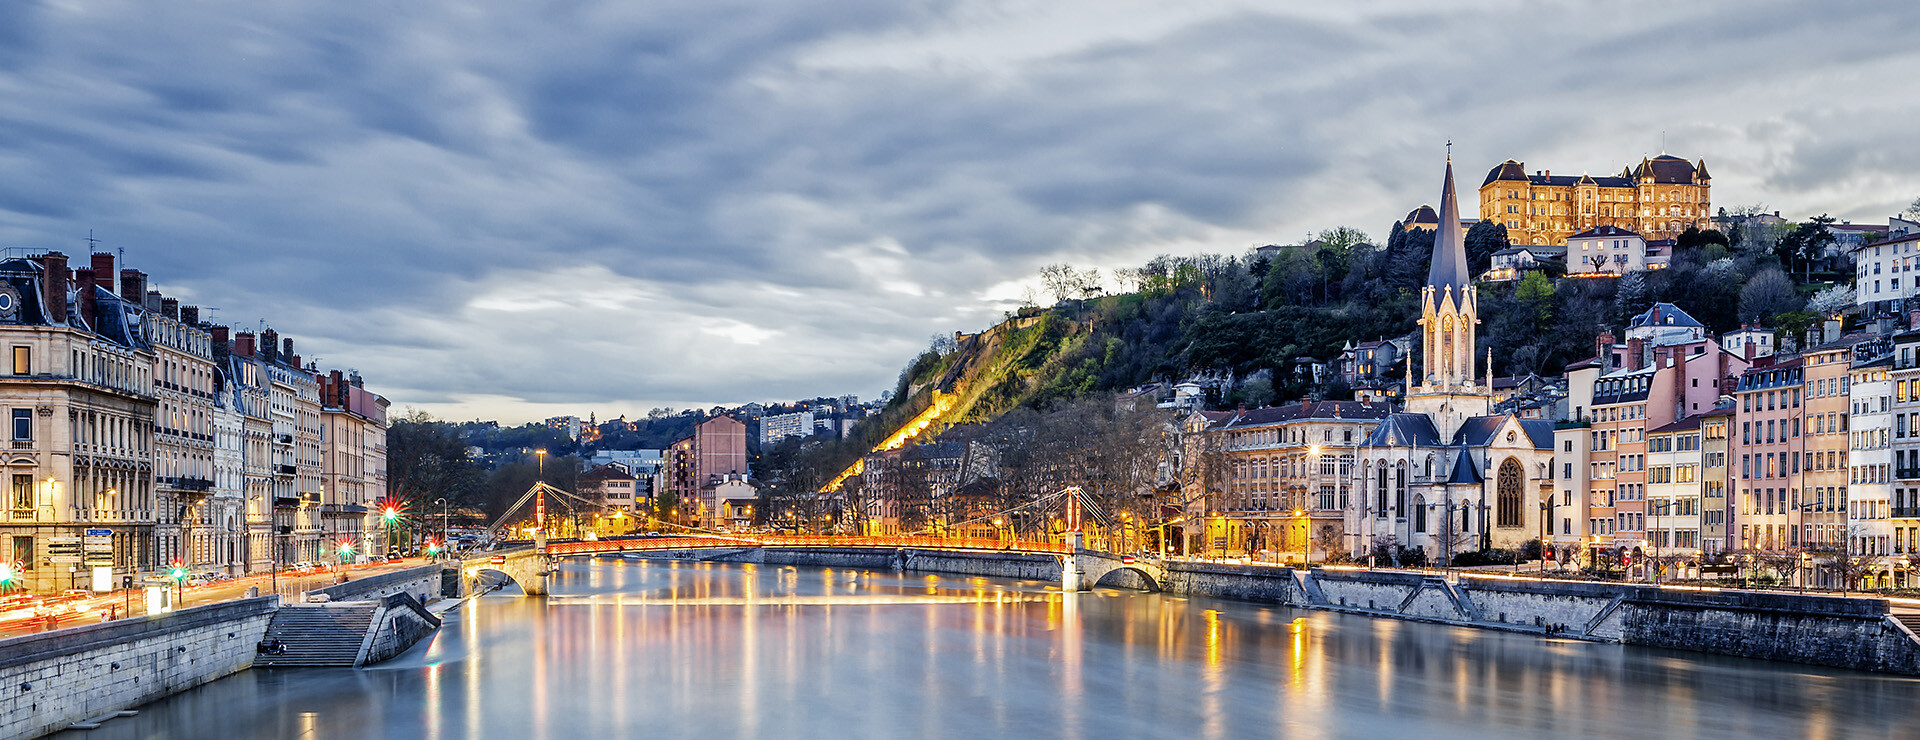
point(52, 680)
point(401, 622)
point(423, 582)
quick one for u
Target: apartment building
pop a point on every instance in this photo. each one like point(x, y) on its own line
point(1675, 499)
point(1870, 507)
point(1768, 480)
point(1285, 477)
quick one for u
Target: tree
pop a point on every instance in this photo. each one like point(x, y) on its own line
point(1806, 243)
point(1535, 292)
point(1060, 281)
point(427, 460)
point(1695, 238)
point(1913, 211)
point(1839, 297)
point(1768, 294)
point(1632, 298)
point(1483, 239)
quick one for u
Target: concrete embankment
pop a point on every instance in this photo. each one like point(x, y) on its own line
point(55, 679)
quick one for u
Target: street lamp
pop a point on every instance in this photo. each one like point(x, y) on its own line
point(446, 535)
point(390, 516)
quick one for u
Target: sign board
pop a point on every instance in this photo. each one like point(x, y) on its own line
point(99, 533)
point(498, 560)
point(63, 538)
point(99, 547)
point(102, 578)
point(64, 559)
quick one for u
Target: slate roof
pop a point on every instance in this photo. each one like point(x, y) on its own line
point(1405, 430)
point(1667, 168)
point(1422, 215)
point(1345, 410)
point(1465, 470)
point(1604, 231)
point(1684, 425)
point(1663, 314)
point(1516, 172)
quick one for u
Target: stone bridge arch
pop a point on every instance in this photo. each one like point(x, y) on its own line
point(525, 568)
point(1086, 569)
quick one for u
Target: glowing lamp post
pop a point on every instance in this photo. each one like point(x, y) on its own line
point(390, 516)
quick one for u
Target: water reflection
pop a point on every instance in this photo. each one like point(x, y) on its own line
point(696, 650)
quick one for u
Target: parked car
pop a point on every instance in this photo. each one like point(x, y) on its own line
point(303, 566)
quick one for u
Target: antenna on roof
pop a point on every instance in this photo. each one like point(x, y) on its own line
point(91, 242)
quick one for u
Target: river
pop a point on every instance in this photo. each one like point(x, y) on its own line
point(662, 649)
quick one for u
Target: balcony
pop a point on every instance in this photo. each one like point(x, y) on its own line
point(23, 444)
point(283, 470)
point(1906, 512)
point(1906, 473)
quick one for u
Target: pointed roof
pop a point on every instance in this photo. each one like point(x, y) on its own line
point(1449, 268)
point(1464, 470)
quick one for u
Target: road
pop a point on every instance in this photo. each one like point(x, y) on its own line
point(48, 614)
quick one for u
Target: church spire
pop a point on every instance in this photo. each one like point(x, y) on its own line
point(1448, 272)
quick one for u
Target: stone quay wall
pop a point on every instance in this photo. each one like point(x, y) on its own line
point(1817, 630)
point(423, 582)
point(54, 679)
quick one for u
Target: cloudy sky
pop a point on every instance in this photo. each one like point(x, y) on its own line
point(514, 210)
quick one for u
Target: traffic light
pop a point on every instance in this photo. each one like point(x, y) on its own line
point(178, 571)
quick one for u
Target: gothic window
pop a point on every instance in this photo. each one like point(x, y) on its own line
point(1400, 489)
point(1419, 514)
point(1508, 501)
point(1380, 491)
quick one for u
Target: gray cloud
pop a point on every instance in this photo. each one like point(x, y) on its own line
point(606, 206)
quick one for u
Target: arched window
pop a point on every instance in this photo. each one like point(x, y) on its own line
point(1380, 491)
point(1400, 489)
point(1419, 513)
point(1507, 504)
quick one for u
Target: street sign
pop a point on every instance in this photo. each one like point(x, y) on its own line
point(99, 533)
point(74, 559)
point(63, 538)
point(99, 547)
point(499, 560)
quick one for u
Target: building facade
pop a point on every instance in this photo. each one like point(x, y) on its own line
point(1658, 199)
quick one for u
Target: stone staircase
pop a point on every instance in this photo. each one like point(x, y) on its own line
point(312, 635)
point(1910, 620)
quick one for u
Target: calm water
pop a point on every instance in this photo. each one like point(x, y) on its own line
point(688, 650)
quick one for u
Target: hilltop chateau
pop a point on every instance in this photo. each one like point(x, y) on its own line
point(1658, 199)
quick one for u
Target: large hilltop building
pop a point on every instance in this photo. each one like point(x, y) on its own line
point(1658, 199)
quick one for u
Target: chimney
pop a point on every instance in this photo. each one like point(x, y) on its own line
point(1603, 349)
point(83, 284)
point(293, 360)
point(152, 303)
point(270, 345)
point(1833, 330)
point(1747, 349)
point(289, 349)
point(133, 286)
point(243, 343)
point(190, 315)
point(219, 335)
point(1636, 353)
point(170, 308)
point(103, 270)
point(53, 286)
point(338, 381)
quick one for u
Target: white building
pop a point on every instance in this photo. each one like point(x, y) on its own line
point(1870, 452)
point(1883, 272)
point(1674, 486)
point(1748, 342)
point(781, 426)
point(1606, 249)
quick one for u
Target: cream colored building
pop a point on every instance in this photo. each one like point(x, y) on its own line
point(1659, 199)
point(79, 398)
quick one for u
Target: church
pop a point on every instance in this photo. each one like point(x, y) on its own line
point(1446, 474)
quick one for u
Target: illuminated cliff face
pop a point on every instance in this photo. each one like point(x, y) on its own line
point(942, 403)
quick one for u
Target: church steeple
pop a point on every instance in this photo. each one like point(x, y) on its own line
point(1449, 311)
point(1448, 271)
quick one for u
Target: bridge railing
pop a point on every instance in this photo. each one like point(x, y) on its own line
point(646, 544)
